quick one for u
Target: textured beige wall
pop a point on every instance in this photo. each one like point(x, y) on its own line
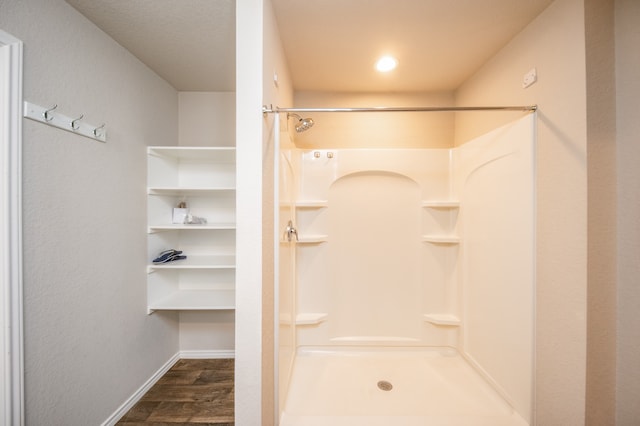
point(627, 18)
point(88, 340)
point(554, 43)
point(375, 130)
point(206, 118)
point(601, 171)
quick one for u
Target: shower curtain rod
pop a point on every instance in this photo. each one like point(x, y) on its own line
point(271, 109)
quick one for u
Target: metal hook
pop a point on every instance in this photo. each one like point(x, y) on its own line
point(95, 131)
point(73, 123)
point(47, 116)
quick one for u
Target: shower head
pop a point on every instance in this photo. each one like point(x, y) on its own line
point(303, 124)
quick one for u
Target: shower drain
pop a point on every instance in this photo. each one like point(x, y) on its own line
point(384, 385)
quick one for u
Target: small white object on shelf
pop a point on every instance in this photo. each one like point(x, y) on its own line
point(179, 214)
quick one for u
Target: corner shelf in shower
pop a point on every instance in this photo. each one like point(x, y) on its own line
point(442, 319)
point(442, 236)
point(311, 318)
point(312, 204)
point(441, 239)
point(441, 204)
point(312, 239)
point(304, 319)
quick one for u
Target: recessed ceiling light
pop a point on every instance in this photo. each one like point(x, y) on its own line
point(386, 63)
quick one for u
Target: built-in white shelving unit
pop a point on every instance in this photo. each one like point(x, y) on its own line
point(204, 179)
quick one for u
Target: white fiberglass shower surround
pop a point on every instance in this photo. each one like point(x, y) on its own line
point(406, 293)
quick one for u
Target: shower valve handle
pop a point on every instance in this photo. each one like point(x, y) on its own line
point(290, 231)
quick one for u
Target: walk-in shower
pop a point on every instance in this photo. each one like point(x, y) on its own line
point(406, 297)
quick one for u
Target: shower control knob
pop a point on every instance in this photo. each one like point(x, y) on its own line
point(290, 231)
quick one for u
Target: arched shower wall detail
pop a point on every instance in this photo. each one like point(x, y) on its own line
point(377, 268)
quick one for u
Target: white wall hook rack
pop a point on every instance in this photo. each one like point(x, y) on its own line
point(75, 125)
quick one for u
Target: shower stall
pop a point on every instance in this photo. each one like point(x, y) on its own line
point(406, 281)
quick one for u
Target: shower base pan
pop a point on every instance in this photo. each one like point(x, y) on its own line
point(390, 386)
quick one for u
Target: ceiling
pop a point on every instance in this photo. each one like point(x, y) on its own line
point(330, 45)
point(189, 43)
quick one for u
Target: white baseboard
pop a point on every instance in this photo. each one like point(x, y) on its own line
point(137, 395)
point(219, 354)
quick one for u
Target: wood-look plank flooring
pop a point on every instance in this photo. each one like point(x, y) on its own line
point(194, 392)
